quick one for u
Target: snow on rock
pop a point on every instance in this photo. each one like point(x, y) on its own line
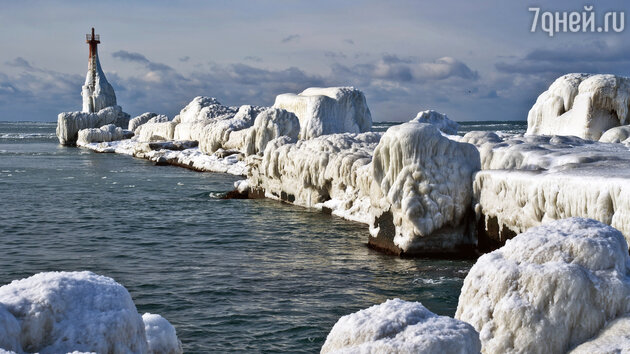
point(548, 289)
point(613, 339)
point(97, 93)
point(156, 130)
point(161, 336)
point(440, 120)
point(583, 105)
point(203, 108)
point(329, 110)
point(398, 326)
point(619, 134)
point(61, 312)
point(108, 132)
point(139, 120)
point(424, 190)
point(330, 171)
point(231, 132)
point(271, 124)
point(69, 123)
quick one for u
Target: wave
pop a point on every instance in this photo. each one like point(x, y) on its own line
point(27, 136)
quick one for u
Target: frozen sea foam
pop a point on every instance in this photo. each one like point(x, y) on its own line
point(398, 326)
point(548, 289)
point(60, 312)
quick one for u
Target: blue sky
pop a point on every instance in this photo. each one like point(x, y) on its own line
point(469, 60)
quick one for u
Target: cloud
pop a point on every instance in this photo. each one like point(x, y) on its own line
point(348, 41)
point(184, 59)
point(291, 38)
point(334, 55)
point(20, 62)
point(253, 58)
point(130, 56)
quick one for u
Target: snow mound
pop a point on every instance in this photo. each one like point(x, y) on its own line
point(616, 135)
point(398, 326)
point(67, 311)
point(108, 132)
point(97, 93)
point(231, 132)
point(69, 123)
point(139, 120)
point(156, 130)
point(583, 105)
point(161, 336)
point(424, 189)
point(203, 108)
point(548, 289)
point(329, 110)
point(613, 339)
point(440, 120)
point(271, 124)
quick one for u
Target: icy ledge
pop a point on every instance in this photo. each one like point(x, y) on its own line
point(62, 312)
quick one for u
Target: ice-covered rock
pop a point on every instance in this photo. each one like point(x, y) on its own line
point(548, 289)
point(139, 120)
point(161, 336)
point(62, 312)
point(613, 339)
point(583, 105)
point(423, 190)
point(398, 326)
point(229, 133)
point(616, 135)
point(203, 108)
point(271, 124)
point(440, 120)
point(108, 132)
point(156, 131)
point(69, 123)
point(9, 331)
point(329, 110)
point(97, 93)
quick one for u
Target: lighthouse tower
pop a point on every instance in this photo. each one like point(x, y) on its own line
point(97, 92)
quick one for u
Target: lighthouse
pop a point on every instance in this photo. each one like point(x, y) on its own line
point(97, 93)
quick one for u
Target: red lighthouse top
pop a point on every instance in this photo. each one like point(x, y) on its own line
point(93, 40)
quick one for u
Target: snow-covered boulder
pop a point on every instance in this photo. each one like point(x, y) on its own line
point(62, 312)
point(613, 339)
point(97, 93)
point(139, 120)
point(156, 131)
point(441, 121)
point(202, 108)
point(270, 124)
point(398, 326)
point(616, 135)
point(161, 336)
point(108, 132)
point(583, 105)
point(548, 289)
point(229, 133)
point(423, 190)
point(329, 110)
point(69, 123)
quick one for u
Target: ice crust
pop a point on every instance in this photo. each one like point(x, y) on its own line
point(69, 123)
point(438, 119)
point(108, 132)
point(423, 179)
point(330, 110)
point(613, 339)
point(398, 326)
point(619, 134)
point(548, 289)
point(99, 96)
point(231, 132)
point(161, 336)
point(583, 105)
point(60, 312)
point(269, 125)
point(135, 122)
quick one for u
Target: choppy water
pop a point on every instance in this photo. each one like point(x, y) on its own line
point(511, 127)
point(230, 275)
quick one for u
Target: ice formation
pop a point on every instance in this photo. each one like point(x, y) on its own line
point(230, 132)
point(424, 190)
point(613, 339)
point(530, 180)
point(97, 92)
point(548, 289)
point(438, 119)
point(619, 134)
point(270, 124)
point(67, 311)
point(323, 111)
point(156, 131)
point(139, 120)
point(69, 123)
point(583, 105)
point(398, 326)
point(108, 132)
point(161, 336)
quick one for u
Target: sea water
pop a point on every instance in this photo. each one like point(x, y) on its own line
point(230, 275)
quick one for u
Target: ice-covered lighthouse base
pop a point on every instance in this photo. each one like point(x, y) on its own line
point(62, 312)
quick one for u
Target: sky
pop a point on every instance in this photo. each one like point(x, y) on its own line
point(469, 60)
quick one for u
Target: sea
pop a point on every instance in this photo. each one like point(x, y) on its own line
point(231, 275)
